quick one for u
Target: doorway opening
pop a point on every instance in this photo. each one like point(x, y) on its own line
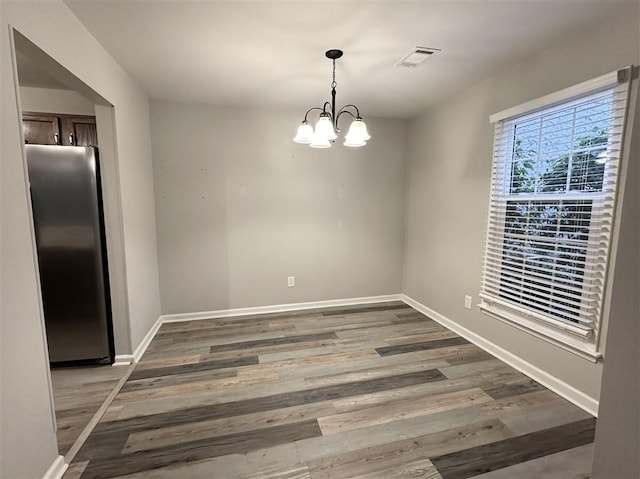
point(78, 238)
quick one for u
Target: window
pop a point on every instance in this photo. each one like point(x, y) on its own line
point(555, 171)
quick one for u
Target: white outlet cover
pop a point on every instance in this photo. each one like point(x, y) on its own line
point(467, 301)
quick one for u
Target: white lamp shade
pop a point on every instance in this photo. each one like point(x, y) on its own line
point(357, 133)
point(324, 128)
point(304, 134)
point(354, 143)
point(319, 141)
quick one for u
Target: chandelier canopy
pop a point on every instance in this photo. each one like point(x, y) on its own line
point(326, 128)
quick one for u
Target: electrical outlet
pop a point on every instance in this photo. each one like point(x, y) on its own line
point(467, 301)
point(291, 281)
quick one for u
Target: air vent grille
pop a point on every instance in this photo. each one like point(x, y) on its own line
point(416, 56)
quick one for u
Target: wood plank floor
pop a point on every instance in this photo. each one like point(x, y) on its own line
point(78, 393)
point(372, 392)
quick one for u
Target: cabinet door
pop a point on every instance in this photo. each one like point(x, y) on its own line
point(80, 131)
point(41, 129)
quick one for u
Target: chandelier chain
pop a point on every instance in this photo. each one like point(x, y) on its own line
point(333, 83)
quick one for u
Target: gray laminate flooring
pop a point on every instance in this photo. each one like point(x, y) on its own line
point(78, 393)
point(373, 392)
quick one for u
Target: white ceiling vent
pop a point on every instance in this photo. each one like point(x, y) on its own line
point(416, 56)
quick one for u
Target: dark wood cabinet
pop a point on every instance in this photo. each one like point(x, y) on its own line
point(59, 129)
point(81, 130)
point(41, 129)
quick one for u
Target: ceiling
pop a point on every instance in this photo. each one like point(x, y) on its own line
point(271, 53)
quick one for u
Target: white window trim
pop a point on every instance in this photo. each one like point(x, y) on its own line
point(547, 101)
point(568, 337)
point(570, 340)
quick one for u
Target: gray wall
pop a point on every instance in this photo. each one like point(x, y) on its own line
point(617, 451)
point(449, 162)
point(240, 207)
point(28, 445)
point(48, 100)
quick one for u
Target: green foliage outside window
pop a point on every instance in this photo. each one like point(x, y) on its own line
point(549, 236)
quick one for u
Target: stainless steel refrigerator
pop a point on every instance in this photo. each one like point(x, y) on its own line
point(69, 229)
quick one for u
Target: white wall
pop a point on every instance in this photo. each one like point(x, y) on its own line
point(449, 161)
point(48, 100)
point(240, 207)
point(28, 444)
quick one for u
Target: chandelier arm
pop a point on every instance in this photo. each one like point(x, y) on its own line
point(342, 111)
point(357, 115)
point(311, 109)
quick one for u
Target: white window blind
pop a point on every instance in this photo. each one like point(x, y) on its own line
point(552, 203)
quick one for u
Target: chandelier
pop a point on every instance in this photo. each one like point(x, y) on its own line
point(326, 129)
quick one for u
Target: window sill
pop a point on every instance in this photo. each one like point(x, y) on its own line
point(569, 342)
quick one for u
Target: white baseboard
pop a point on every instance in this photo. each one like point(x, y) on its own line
point(558, 386)
point(144, 344)
point(57, 469)
point(278, 308)
point(123, 359)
